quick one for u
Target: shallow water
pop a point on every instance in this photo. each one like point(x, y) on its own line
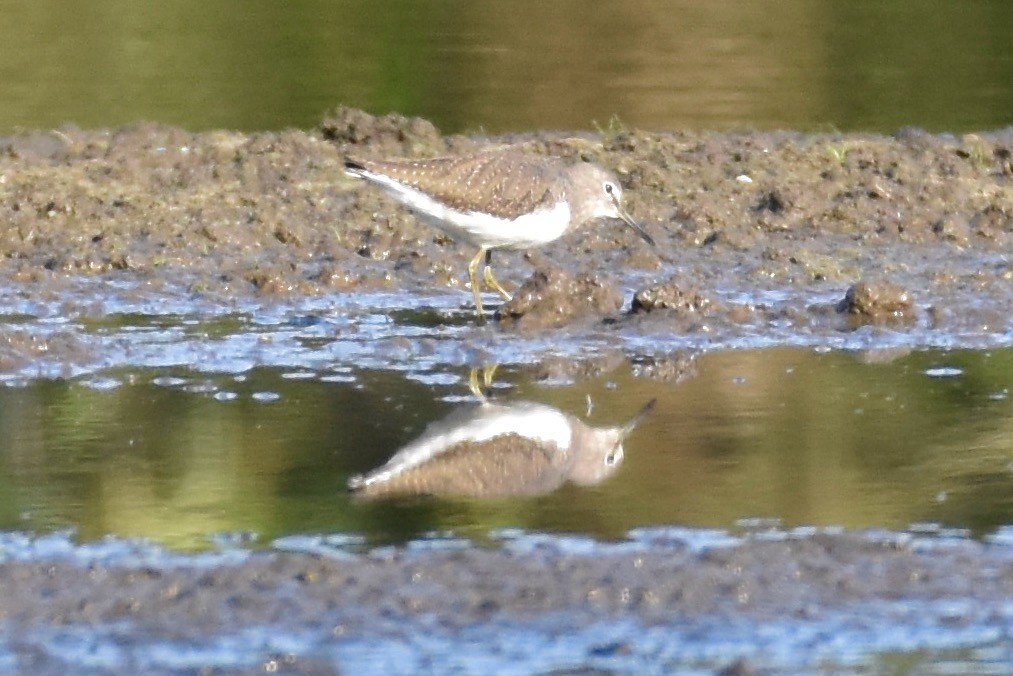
point(773, 436)
point(149, 433)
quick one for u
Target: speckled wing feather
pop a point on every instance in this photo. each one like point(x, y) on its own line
point(505, 465)
point(506, 184)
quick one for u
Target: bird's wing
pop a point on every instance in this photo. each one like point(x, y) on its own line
point(505, 465)
point(505, 184)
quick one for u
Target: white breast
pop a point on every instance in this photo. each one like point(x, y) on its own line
point(530, 230)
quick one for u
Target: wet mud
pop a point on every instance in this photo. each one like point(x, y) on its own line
point(227, 215)
point(333, 610)
point(878, 302)
point(902, 240)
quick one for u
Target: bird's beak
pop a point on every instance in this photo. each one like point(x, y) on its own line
point(636, 420)
point(628, 220)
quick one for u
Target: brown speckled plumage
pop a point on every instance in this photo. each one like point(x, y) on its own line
point(506, 184)
point(506, 465)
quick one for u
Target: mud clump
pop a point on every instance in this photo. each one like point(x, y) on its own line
point(673, 307)
point(18, 348)
point(669, 296)
point(552, 298)
point(676, 368)
point(390, 135)
point(878, 303)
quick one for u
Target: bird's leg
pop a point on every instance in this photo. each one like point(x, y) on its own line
point(473, 385)
point(491, 281)
point(473, 277)
point(481, 390)
point(488, 372)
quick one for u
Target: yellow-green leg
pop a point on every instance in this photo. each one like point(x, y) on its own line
point(488, 372)
point(490, 280)
point(473, 278)
point(474, 386)
point(480, 389)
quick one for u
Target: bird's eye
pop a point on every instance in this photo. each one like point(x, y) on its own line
point(609, 188)
point(610, 459)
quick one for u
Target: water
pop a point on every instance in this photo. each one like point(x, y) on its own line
point(773, 436)
point(501, 66)
point(152, 440)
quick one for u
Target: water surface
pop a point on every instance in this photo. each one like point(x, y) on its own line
point(775, 436)
point(502, 66)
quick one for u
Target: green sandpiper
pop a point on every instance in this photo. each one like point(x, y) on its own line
point(500, 199)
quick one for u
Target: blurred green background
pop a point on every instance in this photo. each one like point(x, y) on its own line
point(502, 66)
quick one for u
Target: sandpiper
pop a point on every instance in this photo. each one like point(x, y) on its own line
point(497, 449)
point(499, 199)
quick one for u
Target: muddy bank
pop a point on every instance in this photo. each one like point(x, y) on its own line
point(226, 215)
point(622, 606)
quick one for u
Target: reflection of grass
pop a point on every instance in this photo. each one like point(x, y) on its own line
point(429, 317)
point(808, 439)
point(17, 318)
point(218, 326)
point(174, 466)
point(124, 320)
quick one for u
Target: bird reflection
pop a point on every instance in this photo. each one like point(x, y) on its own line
point(497, 449)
